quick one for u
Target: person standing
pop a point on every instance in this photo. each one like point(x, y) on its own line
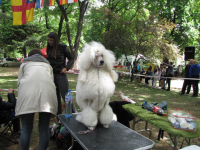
point(36, 94)
point(164, 75)
point(187, 83)
point(194, 73)
point(56, 55)
point(169, 74)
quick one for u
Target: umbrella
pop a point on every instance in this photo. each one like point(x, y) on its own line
point(44, 52)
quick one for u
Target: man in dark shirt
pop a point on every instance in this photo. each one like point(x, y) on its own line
point(187, 83)
point(169, 74)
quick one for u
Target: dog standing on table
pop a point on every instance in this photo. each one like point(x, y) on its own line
point(95, 85)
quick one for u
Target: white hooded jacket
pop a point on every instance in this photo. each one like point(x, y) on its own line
point(36, 88)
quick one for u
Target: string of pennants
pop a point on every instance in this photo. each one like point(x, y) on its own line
point(23, 10)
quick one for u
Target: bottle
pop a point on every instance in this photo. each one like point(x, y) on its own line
point(68, 104)
point(157, 110)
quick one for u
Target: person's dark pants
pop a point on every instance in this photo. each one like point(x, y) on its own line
point(187, 83)
point(16, 124)
point(61, 82)
point(195, 85)
point(169, 82)
point(147, 80)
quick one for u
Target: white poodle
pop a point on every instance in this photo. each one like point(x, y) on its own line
point(95, 85)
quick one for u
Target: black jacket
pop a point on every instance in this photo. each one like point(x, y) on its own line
point(187, 71)
point(170, 70)
point(59, 62)
point(6, 107)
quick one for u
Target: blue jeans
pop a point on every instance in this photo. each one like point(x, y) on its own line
point(27, 127)
point(164, 83)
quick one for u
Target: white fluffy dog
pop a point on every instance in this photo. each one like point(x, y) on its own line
point(95, 85)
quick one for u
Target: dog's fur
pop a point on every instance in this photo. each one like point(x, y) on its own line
point(95, 85)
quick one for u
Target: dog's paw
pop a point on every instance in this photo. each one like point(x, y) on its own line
point(91, 128)
point(106, 126)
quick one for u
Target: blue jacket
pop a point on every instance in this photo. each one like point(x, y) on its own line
point(194, 70)
point(138, 67)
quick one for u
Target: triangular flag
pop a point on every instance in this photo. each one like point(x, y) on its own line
point(23, 11)
point(82, 0)
point(0, 2)
point(39, 3)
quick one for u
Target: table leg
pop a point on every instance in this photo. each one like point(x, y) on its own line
point(134, 120)
point(175, 143)
point(72, 143)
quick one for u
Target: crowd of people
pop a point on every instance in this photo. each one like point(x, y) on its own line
point(41, 84)
point(165, 73)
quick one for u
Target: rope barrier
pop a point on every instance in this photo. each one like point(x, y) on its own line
point(128, 73)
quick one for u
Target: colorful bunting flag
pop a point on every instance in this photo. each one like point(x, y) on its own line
point(0, 2)
point(72, 1)
point(23, 11)
point(82, 0)
point(62, 2)
point(49, 2)
point(39, 3)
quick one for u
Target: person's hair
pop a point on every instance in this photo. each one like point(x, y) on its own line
point(155, 70)
point(171, 63)
point(195, 62)
point(54, 36)
point(34, 51)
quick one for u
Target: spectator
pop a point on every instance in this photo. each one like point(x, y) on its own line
point(142, 73)
point(148, 78)
point(36, 93)
point(163, 74)
point(187, 83)
point(169, 74)
point(155, 77)
point(6, 109)
point(194, 73)
point(153, 74)
point(179, 69)
point(137, 68)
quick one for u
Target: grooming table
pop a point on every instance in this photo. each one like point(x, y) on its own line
point(116, 137)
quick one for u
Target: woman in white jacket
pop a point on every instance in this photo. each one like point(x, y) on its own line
point(36, 93)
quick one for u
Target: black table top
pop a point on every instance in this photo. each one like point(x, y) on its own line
point(116, 137)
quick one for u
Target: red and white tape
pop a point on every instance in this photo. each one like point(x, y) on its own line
point(126, 98)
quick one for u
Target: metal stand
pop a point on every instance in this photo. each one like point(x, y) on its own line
point(145, 129)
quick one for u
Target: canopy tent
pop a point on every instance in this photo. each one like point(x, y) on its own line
point(44, 52)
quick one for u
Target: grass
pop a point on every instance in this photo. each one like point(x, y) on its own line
point(133, 90)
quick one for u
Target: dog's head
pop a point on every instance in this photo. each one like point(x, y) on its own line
point(96, 54)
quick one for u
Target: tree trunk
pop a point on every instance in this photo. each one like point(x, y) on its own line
point(24, 51)
point(60, 26)
point(83, 8)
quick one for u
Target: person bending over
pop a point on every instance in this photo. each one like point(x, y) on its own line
point(36, 94)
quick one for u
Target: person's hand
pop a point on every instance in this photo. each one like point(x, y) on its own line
point(63, 70)
point(10, 90)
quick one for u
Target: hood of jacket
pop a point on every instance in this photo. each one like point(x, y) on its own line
point(36, 58)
